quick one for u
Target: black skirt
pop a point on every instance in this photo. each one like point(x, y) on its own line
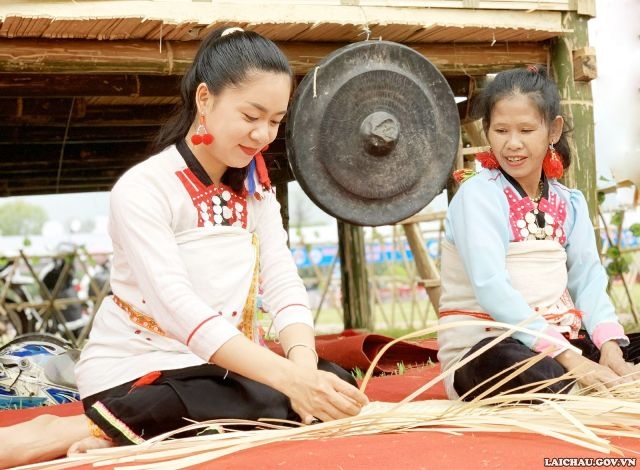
point(490, 367)
point(168, 400)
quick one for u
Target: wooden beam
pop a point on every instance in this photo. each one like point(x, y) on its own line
point(47, 186)
point(57, 56)
point(68, 85)
point(14, 85)
point(20, 153)
point(28, 168)
point(25, 153)
point(76, 112)
point(36, 135)
point(96, 178)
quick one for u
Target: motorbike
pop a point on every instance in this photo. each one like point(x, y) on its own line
point(59, 277)
point(15, 318)
point(25, 302)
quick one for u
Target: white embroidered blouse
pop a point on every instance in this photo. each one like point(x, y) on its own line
point(153, 206)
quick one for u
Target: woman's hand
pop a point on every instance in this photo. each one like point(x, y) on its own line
point(316, 394)
point(313, 393)
point(611, 357)
point(589, 374)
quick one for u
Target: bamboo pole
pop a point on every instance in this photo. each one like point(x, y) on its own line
point(577, 106)
point(356, 301)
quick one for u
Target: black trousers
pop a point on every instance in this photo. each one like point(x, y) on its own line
point(128, 413)
point(483, 372)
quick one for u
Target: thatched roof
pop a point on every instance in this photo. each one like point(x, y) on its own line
point(87, 83)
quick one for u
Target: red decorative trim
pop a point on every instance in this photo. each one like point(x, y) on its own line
point(550, 317)
point(147, 379)
point(556, 208)
point(518, 207)
point(199, 326)
point(215, 205)
point(261, 169)
point(463, 174)
point(291, 305)
point(553, 206)
point(480, 315)
point(191, 182)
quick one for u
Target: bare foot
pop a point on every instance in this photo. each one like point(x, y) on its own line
point(88, 443)
point(45, 437)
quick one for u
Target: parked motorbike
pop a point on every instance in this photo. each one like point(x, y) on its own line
point(59, 277)
point(15, 318)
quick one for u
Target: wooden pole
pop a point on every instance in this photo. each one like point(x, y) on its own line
point(425, 266)
point(282, 196)
point(356, 302)
point(577, 105)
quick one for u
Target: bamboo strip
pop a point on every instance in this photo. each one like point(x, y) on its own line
point(585, 418)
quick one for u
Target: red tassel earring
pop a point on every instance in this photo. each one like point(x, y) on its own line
point(552, 164)
point(261, 169)
point(488, 160)
point(201, 136)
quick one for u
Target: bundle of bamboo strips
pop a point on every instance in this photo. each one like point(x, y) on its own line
point(584, 417)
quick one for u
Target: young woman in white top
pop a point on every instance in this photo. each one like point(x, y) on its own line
point(196, 233)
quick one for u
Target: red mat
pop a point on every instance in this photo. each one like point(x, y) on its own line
point(351, 349)
point(415, 450)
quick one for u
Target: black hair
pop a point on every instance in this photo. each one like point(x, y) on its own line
point(533, 82)
point(221, 62)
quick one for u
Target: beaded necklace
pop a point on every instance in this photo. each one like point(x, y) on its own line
point(536, 225)
point(538, 196)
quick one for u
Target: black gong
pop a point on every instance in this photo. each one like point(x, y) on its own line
point(372, 133)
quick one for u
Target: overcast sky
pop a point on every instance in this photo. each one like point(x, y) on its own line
point(615, 34)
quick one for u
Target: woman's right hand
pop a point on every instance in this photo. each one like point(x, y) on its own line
point(317, 394)
point(589, 374)
point(314, 394)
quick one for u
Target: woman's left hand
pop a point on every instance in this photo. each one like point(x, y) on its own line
point(611, 357)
